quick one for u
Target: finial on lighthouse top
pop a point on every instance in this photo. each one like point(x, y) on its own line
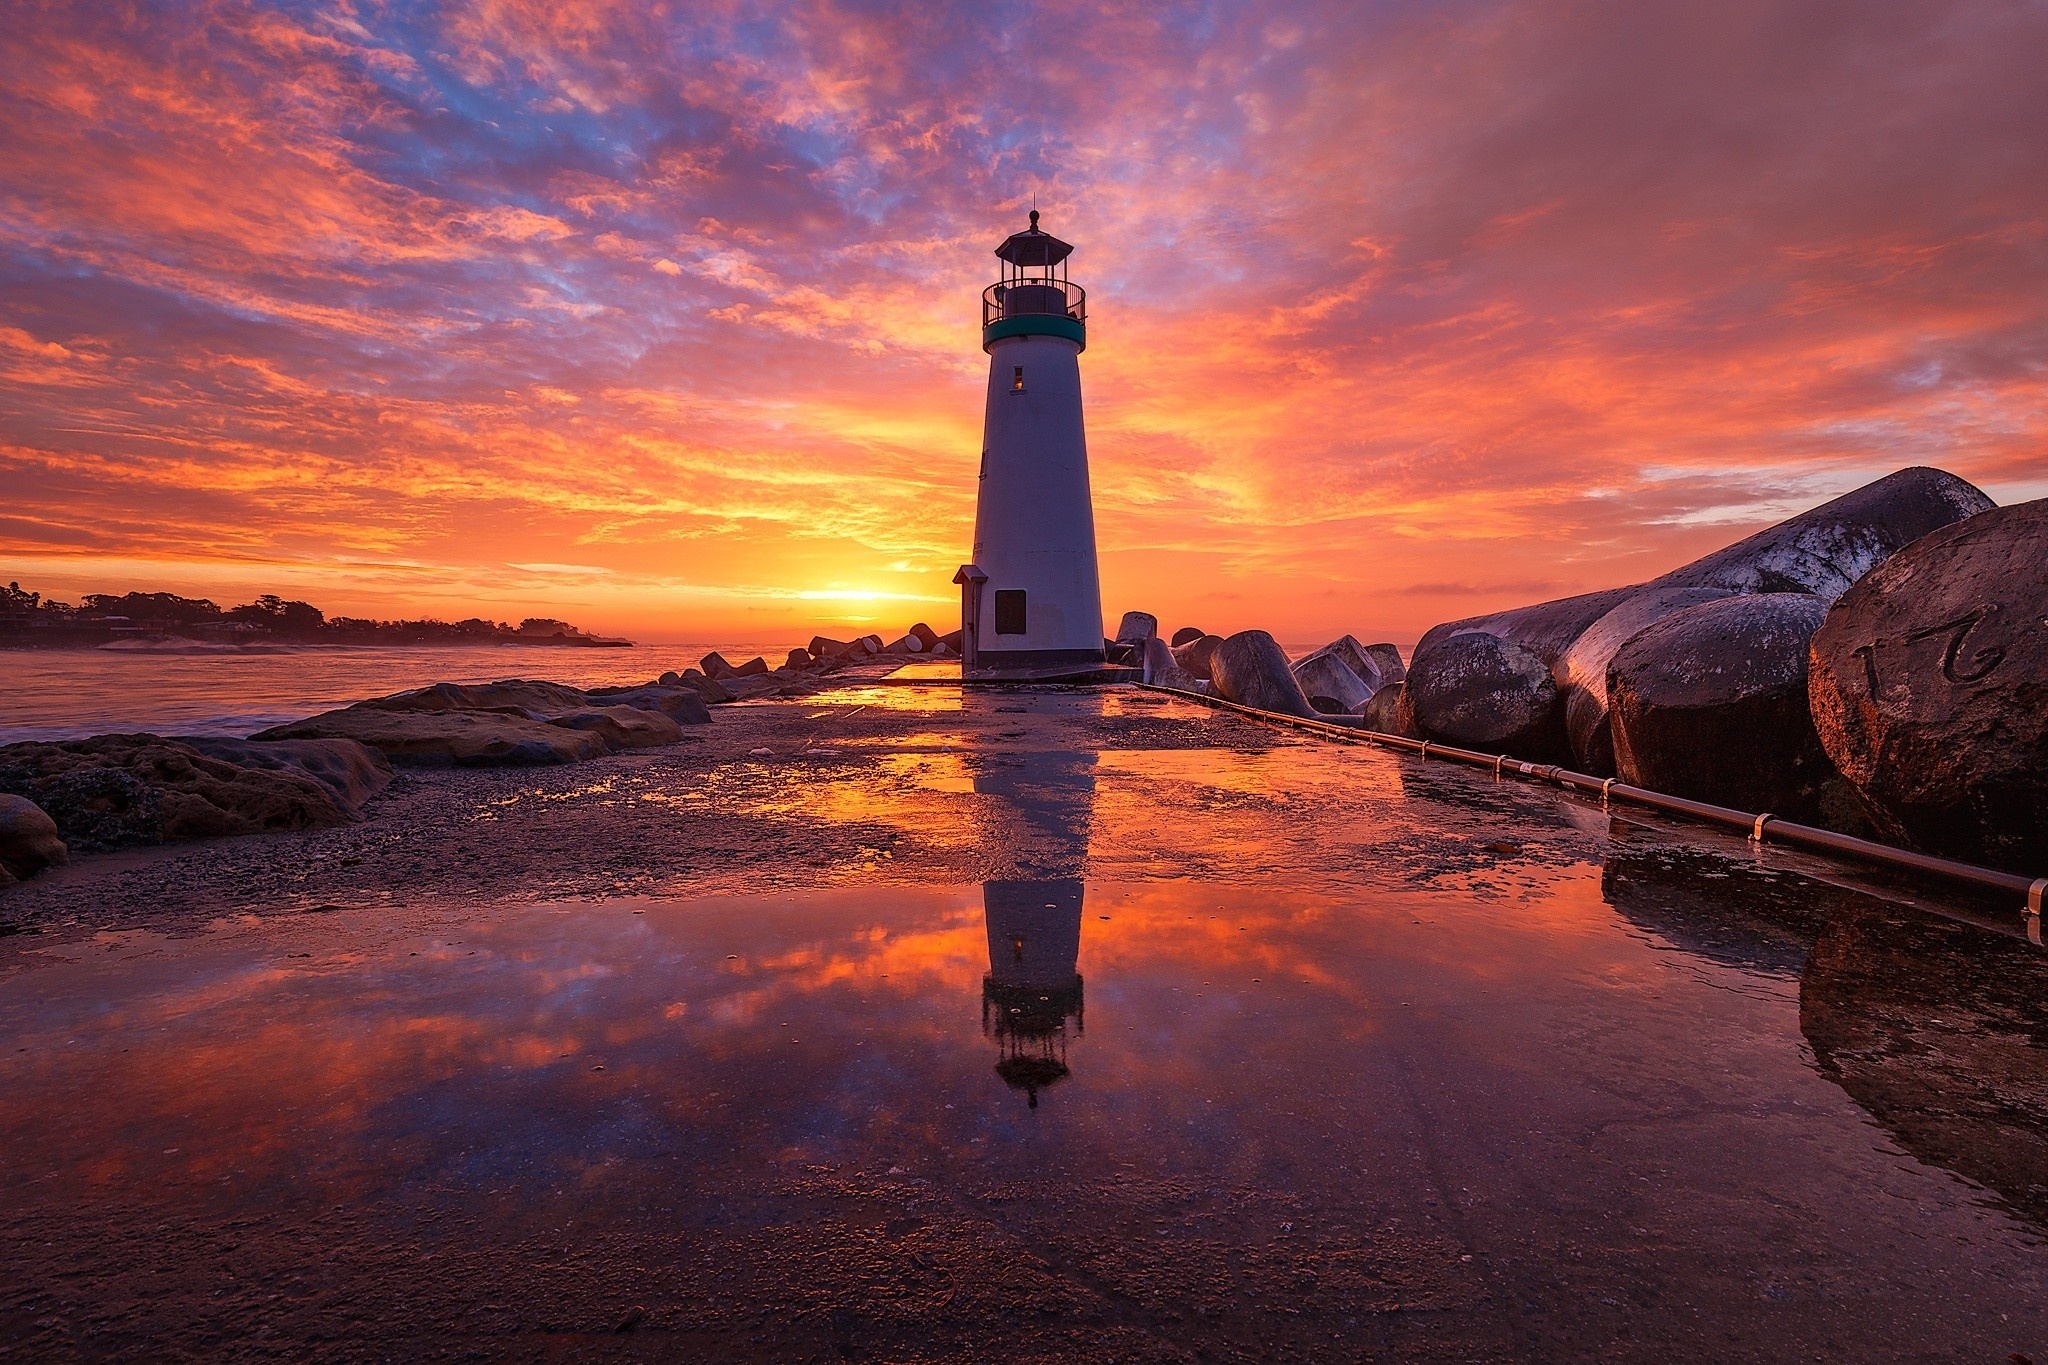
point(1032, 247)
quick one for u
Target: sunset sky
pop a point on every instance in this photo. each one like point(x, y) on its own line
point(663, 317)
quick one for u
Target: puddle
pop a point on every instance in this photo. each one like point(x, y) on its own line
point(1521, 1082)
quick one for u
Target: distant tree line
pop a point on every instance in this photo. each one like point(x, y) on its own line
point(29, 617)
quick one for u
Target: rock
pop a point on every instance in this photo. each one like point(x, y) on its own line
point(670, 679)
point(1392, 670)
point(463, 739)
point(1331, 679)
point(1482, 692)
point(1137, 627)
point(116, 791)
point(1161, 669)
point(1929, 689)
point(522, 695)
point(751, 686)
point(29, 841)
point(352, 772)
point(798, 658)
point(826, 649)
point(1387, 714)
point(1710, 703)
point(715, 667)
point(1546, 629)
point(1199, 656)
point(1251, 669)
point(752, 668)
point(710, 690)
point(1187, 635)
point(1581, 672)
point(1824, 550)
point(623, 727)
point(683, 705)
point(926, 637)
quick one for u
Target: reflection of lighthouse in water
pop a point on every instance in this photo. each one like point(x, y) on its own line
point(1031, 997)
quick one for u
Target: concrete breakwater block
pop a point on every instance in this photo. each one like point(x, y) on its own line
point(1479, 691)
point(1710, 703)
point(1929, 689)
point(1339, 678)
point(1198, 656)
point(1581, 672)
point(1251, 669)
point(1161, 669)
point(1136, 628)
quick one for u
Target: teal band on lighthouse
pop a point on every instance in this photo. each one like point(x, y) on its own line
point(1029, 325)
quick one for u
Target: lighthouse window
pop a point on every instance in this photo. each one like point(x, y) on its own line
point(1010, 612)
point(1017, 380)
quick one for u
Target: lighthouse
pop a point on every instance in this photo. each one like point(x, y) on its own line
point(1031, 600)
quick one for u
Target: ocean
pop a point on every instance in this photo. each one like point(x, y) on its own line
point(223, 690)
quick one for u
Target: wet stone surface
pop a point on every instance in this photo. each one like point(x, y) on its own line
point(1021, 1025)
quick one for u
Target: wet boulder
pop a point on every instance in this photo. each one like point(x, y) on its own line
point(29, 841)
point(1162, 670)
point(1545, 629)
point(1581, 672)
point(798, 658)
point(670, 679)
point(1824, 550)
point(1137, 627)
point(1479, 691)
point(1929, 688)
point(1199, 656)
point(1251, 669)
point(352, 772)
point(1388, 713)
point(1187, 635)
point(1710, 703)
point(1388, 660)
point(1339, 678)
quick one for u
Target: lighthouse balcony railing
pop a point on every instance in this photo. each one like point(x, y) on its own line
point(1033, 298)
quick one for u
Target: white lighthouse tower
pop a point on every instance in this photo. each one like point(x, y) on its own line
point(1031, 602)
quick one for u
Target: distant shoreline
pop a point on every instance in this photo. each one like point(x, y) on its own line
point(128, 643)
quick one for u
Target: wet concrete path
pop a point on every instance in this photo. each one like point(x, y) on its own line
point(1232, 1045)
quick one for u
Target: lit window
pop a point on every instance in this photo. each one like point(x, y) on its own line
point(1017, 380)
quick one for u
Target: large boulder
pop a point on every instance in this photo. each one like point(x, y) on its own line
point(1929, 689)
point(1199, 656)
point(1546, 629)
point(1136, 628)
point(1162, 670)
point(1581, 672)
point(352, 772)
point(29, 841)
point(116, 791)
point(1251, 669)
point(1824, 550)
point(1187, 635)
point(752, 668)
point(1388, 659)
point(1479, 691)
point(1710, 703)
point(1339, 678)
point(1388, 714)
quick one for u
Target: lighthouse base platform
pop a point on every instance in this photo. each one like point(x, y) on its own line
point(1077, 675)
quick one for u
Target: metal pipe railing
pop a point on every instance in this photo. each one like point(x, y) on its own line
point(1760, 828)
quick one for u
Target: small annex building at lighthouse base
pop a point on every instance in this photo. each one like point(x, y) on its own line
point(1030, 596)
